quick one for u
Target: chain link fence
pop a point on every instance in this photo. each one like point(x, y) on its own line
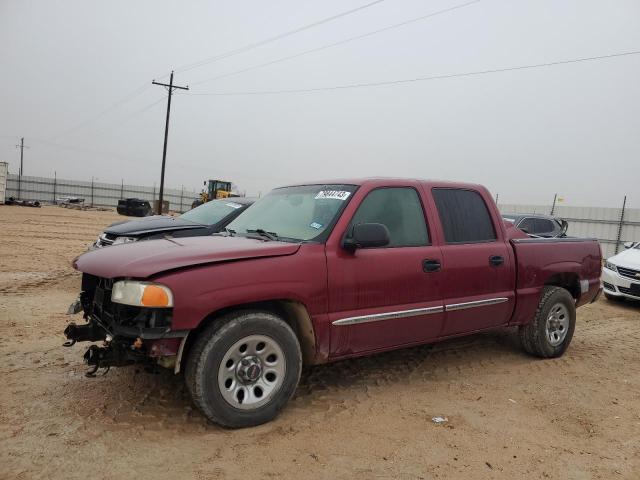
point(98, 194)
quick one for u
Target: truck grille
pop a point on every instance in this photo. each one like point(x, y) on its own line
point(629, 273)
point(102, 306)
point(124, 319)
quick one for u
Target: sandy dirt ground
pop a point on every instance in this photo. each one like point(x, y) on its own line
point(509, 415)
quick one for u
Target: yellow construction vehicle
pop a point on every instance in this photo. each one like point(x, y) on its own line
point(214, 189)
point(218, 189)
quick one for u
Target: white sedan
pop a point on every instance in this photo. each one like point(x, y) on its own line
point(621, 273)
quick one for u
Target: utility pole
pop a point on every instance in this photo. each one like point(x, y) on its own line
point(620, 224)
point(170, 87)
point(21, 147)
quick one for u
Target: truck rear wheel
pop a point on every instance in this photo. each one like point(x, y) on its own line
point(551, 330)
point(244, 368)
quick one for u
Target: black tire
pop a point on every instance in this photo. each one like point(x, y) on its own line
point(208, 351)
point(533, 336)
point(613, 298)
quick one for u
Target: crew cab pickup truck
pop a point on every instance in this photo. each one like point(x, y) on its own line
point(324, 271)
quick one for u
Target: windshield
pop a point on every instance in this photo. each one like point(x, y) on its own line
point(211, 212)
point(297, 213)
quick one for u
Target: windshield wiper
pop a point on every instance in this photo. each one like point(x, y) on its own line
point(263, 233)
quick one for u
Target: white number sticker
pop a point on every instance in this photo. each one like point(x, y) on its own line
point(233, 205)
point(333, 194)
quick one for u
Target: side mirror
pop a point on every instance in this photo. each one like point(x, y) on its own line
point(367, 235)
point(628, 244)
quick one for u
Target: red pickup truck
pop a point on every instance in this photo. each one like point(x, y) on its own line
point(324, 271)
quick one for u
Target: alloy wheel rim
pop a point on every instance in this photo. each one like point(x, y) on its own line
point(251, 372)
point(557, 324)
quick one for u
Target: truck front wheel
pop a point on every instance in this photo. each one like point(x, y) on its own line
point(549, 333)
point(244, 368)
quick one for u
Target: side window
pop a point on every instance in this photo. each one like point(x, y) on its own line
point(464, 216)
point(544, 226)
point(400, 210)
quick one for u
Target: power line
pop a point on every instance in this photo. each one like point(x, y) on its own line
point(130, 96)
point(206, 61)
point(82, 149)
point(420, 79)
point(141, 110)
point(341, 42)
point(280, 36)
point(129, 117)
point(134, 114)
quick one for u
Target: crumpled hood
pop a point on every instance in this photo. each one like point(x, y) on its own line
point(148, 258)
point(627, 259)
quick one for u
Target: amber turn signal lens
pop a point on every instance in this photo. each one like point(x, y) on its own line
point(154, 296)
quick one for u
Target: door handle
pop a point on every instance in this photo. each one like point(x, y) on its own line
point(429, 266)
point(496, 260)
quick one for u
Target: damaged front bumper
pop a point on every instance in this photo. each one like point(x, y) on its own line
point(130, 335)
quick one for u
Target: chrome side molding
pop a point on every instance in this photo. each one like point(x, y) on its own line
point(377, 317)
point(478, 303)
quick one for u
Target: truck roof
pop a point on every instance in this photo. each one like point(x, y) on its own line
point(386, 181)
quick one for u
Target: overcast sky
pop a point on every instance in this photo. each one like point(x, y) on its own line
point(526, 134)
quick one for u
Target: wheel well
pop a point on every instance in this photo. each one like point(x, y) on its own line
point(568, 281)
point(292, 312)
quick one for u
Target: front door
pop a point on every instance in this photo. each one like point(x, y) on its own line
point(385, 297)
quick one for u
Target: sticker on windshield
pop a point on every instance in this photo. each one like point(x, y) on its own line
point(233, 205)
point(333, 194)
point(316, 225)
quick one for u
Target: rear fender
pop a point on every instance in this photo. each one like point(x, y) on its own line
point(561, 274)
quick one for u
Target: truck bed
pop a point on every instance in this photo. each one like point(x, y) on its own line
point(554, 261)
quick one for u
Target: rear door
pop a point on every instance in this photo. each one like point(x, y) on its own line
point(385, 297)
point(478, 266)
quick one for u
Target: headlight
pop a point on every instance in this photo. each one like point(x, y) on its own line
point(124, 240)
point(610, 266)
point(141, 294)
